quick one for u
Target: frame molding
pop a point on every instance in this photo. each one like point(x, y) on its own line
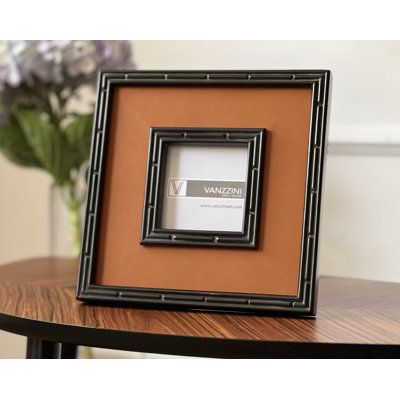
point(160, 138)
point(304, 302)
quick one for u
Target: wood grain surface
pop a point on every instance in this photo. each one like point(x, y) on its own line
point(37, 299)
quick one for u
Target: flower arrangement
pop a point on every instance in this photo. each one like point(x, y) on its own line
point(38, 82)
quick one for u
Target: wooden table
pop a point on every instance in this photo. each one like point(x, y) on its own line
point(37, 299)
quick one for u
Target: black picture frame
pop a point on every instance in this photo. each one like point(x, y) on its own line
point(160, 138)
point(305, 300)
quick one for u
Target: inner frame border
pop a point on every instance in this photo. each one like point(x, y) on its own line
point(160, 139)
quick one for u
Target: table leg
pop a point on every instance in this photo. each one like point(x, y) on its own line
point(69, 350)
point(37, 348)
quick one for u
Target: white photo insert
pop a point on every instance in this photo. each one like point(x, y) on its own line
point(205, 188)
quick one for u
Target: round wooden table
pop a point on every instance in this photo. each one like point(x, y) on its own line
point(37, 299)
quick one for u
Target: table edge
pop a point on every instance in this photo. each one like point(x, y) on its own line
point(160, 343)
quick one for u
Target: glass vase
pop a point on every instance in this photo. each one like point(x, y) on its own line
point(66, 218)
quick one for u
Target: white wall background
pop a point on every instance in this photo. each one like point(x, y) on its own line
point(361, 212)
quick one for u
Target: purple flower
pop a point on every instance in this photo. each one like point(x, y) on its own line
point(33, 69)
point(112, 54)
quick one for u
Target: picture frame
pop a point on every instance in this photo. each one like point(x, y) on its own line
point(279, 275)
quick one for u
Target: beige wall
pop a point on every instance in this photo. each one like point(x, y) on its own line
point(361, 218)
point(24, 219)
point(360, 234)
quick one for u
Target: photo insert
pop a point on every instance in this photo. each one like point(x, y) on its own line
point(204, 187)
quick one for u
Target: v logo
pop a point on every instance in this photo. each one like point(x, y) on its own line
point(175, 186)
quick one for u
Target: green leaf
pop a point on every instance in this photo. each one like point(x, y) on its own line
point(47, 143)
point(79, 135)
point(15, 147)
